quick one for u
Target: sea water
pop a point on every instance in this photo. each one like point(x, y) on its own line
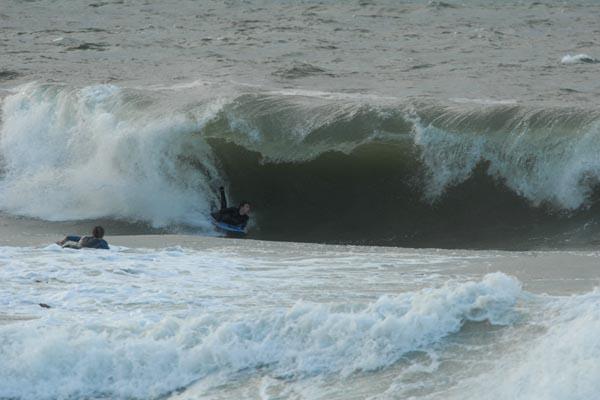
point(424, 186)
point(277, 320)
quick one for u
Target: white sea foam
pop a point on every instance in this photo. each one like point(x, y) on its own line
point(129, 323)
point(578, 59)
point(560, 363)
point(94, 152)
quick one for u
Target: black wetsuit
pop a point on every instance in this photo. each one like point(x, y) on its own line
point(230, 215)
point(89, 242)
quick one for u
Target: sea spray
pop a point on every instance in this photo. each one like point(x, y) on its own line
point(94, 152)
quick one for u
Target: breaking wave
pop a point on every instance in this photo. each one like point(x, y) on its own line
point(317, 166)
point(558, 363)
point(150, 358)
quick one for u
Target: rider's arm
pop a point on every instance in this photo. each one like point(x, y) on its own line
point(223, 198)
point(68, 239)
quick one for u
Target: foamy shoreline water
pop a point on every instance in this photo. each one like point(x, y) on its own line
point(170, 316)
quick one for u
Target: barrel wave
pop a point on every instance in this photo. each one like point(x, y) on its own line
point(317, 166)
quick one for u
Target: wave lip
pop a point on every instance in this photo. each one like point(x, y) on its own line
point(545, 156)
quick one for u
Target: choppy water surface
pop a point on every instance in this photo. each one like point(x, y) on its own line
point(424, 124)
point(463, 49)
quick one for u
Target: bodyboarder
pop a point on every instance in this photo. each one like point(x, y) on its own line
point(95, 241)
point(236, 216)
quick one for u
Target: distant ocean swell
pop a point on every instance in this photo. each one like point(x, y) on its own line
point(317, 166)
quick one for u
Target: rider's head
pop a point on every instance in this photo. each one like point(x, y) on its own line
point(98, 232)
point(244, 208)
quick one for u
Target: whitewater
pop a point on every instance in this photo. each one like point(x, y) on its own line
point(251, 319)
point(425, 189)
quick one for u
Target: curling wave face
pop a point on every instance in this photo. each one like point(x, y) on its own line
point(325, 166)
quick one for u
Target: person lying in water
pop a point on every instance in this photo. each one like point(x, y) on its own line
point(237, 216)
point(92, 242)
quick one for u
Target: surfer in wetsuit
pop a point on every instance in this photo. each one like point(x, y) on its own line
point(95, 241)
point(237, 216)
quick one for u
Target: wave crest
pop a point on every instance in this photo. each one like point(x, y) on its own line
point(431, 169)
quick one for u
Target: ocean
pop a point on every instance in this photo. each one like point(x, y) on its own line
point(425, 193)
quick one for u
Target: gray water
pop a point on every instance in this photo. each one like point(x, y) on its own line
point(422, 124)
point(176, 317)
point(468, 124)
point(490, 51)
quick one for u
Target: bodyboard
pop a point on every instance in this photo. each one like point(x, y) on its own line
point(227, 228)
point(71, 245)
